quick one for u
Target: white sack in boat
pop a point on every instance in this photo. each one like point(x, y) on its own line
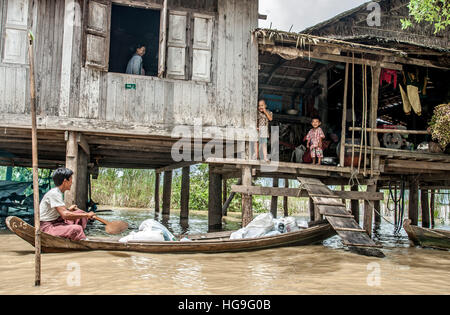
point(260, 225)
point(144, 236)
point(153, 225)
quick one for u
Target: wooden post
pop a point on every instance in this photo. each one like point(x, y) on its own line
point(214, 202)
point(312, 213)
point(184, 202)
point(72, 164)
point(374, 142)
point(34, 152)
point(425, 208)
point(368, 211)
point(224, 194)
point(274, 202)
point(167, 193)
point(285, 199)
point(247, 211)
point(354, 204)
point(157, 197)
point(432, 200)
point(377, 210)
point(413, 211)
point(9, 170)
point(344, 117)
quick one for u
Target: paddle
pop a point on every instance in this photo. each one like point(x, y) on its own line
point(113, 227)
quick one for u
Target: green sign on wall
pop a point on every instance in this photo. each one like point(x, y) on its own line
point(130, 86)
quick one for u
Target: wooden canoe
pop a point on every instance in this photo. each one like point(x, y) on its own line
point(208, 243)
point(420, 236)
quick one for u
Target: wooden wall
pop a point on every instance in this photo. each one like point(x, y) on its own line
point(67, 89)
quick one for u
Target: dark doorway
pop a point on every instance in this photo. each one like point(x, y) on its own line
point(130, 27)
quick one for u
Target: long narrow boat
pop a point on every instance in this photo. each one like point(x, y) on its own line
point(420, 236)
point(207, 243)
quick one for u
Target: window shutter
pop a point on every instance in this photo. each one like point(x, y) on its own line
point(15, 40)
point(201, 50)
point(176, 45)
point(97, 34)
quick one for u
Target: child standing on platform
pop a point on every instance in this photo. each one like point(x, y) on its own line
point(314, 138)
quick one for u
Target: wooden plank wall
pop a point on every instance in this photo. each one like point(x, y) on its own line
point(228, 100)
point(47, 23)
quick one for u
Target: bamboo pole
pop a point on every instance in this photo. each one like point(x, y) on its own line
point(405, 132)
point(34, 146)
point(344, 117)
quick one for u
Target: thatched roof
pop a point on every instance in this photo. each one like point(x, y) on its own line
point(352, 26)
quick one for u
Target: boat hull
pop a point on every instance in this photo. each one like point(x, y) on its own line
point(54, 244)
point(424, 237)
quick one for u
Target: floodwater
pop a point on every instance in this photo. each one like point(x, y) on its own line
point(318, 269)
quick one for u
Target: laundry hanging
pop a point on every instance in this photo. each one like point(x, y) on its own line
point(389, 76)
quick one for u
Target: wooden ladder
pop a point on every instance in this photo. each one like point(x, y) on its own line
point(335, 212)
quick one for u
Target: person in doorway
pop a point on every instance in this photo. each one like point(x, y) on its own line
point(264, 117)
point(314, 140)
point(136, 63)
point(55, 218)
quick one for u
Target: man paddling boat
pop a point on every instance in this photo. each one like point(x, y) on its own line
point(58, 220)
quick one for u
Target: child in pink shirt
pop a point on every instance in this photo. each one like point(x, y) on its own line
point(314, 138)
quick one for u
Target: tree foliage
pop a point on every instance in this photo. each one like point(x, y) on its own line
point(435, 12)
point(440, 125)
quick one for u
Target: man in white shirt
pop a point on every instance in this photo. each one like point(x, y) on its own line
point(55, 218)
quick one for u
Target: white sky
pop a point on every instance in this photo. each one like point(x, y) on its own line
point(302, 13)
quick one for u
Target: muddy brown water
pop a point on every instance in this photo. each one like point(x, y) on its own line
point(318, 269)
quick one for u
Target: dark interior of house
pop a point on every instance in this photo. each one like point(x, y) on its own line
point(131, 27)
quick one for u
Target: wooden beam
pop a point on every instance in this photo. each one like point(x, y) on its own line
point(425, 206)
point(83, 143)
point(72, 164)
point(184, 199)
point(354, 204)
point(344, 117)
point(175, 166)
point(403, 132)
point(274, 201)
point(297, 53)
point(214, 202)
point(167, 193)
point(298, 193)
point(413, 211)
point(157, 197)
point(285, 198)
point(368, 211)
point(247, 211)
point(417, 165)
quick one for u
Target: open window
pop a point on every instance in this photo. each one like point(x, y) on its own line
point(131, 27)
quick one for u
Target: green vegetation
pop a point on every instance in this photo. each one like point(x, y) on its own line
point(435, 12)
point(440, 125)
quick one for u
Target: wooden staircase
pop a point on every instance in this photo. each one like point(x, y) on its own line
point(335, 212)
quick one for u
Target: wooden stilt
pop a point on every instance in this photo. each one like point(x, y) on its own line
point(157, 197)
point(312, 213)
point(413, 211)
point(274, 202)
point(432, 203)
point(354, 205)
point(368, 211)
point(215, 202)
point(285, 199)
point(344, 118)
point(377, 211)
point(425, 206)
point(247, 211)
point(184, 202)
point(72, 164)
point(167, 192)
point(224, 192)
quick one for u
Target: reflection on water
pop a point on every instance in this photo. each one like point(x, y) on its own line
point(329, 269)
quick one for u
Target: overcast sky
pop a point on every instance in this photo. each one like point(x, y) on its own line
point(302, 13)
